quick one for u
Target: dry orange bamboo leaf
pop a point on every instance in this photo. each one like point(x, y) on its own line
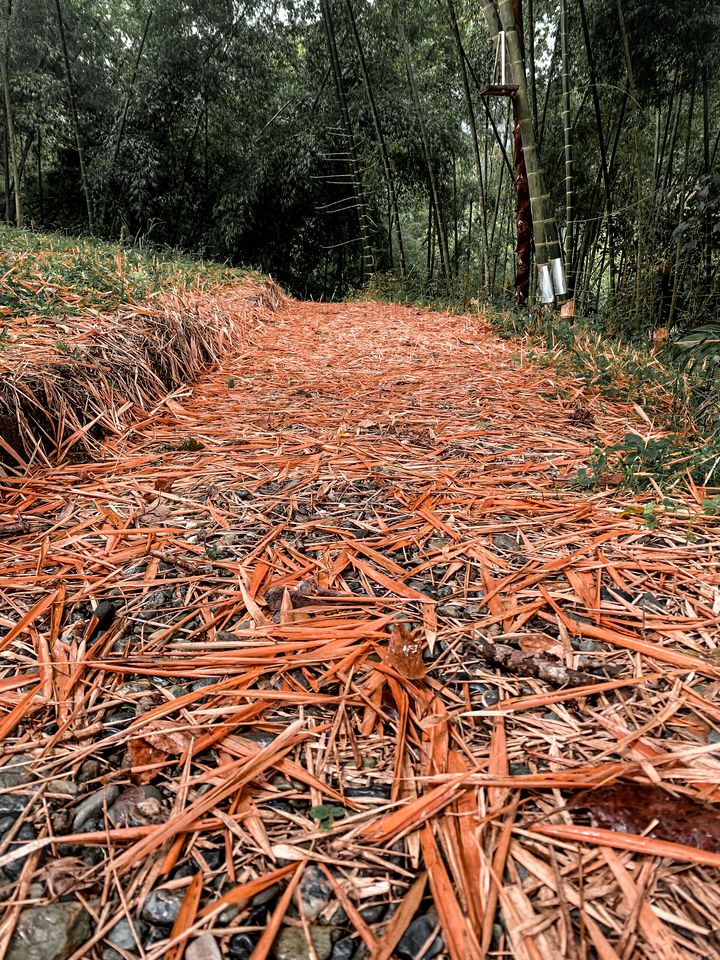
point(654, 930)
point(628, 841)
point(460, 938)
point(185, 917)
point(262, 947)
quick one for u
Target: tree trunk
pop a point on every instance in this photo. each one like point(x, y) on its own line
point(601, 143)
point(123, 118)
point(551, 279)
point(41, 198)
point(523, 214)
point(6, 173)
point(434, 189)
point(366, 243)
point(9, 122)
point(380, 137)
point(475, 141)
point(75, 119)
point(567, 141)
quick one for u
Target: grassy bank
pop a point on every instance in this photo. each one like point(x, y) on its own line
point(48, 274)
point(93, 335)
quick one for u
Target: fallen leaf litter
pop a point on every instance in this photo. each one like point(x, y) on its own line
point(285, 724)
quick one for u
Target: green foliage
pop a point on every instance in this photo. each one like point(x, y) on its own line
point(711, 506)
point(49, 274)
point(327, 814)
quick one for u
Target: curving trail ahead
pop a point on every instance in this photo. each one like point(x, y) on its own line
point(395, 464)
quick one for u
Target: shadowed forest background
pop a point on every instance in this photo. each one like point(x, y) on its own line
point(258, 132)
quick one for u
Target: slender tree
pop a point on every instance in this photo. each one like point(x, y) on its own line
point(567, 142)
point(475, 140)
point(124, 116)
point(358, 189)
point(380, 137)
point(432, 177)
point(13, 162)
point(75, 119)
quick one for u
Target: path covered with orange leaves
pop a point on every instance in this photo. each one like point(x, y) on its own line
point(361, 645)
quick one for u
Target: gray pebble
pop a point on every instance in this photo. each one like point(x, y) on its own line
point(15, 772)
point(67, 788)
point(50, 932)
point(291, 944)
point(315, 891)
point(344, 949)
point(12, 804)
point(162, 907)
point(24, 835)
point(204, 948)
point(416, 935)
point(93, 805)
point(122, 936)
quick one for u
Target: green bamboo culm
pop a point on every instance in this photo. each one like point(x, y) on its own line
point(567, 142)
point(547, 244)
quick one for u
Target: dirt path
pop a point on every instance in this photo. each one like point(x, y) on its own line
point(247, 718)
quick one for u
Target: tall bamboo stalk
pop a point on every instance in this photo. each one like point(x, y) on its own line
point(358, 190)
point(11, 143)
point(475, 140)
point(432, 178)
point(124, 116)
point(76, 121)
point(547, 247)
point(568, 143)
point(523, 211)
point(380, 138)
point(592, 76)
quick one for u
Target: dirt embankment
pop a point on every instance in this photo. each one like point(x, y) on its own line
point(67, 382)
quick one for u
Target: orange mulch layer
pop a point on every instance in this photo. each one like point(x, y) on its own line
point(280, 705)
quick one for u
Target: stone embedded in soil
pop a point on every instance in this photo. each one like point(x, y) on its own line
point(25, 834)
point(292, 945)
point(315, 891)
point(15, 772)
point(161, 907)
point(344, 949)
point(137, 807)
point(94, 804)
point(122, 935)
point(51, 932)
point(204, 948)
point(240, 946)
point(12, 804)
point(415, 937)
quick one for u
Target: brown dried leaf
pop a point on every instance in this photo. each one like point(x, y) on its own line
point(633, 808)
point(154, 746)
point(304, 594)
point(540, 643)
point(64, 874)
point(137, 806)
point(405, 653)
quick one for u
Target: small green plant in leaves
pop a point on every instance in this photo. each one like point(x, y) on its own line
point(711, 506)
point(327, 814)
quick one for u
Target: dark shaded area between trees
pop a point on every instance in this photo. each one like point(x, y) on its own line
point(332, 143)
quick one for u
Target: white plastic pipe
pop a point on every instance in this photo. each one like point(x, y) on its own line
point(545, 283)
